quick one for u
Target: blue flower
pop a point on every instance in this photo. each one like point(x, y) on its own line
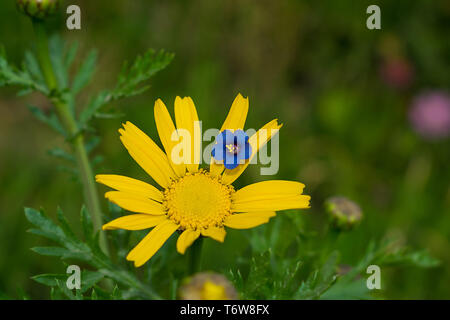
point(231, 148)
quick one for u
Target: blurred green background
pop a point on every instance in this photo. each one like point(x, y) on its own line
point(312, 64)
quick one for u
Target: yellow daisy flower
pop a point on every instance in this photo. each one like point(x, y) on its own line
point(193, 201)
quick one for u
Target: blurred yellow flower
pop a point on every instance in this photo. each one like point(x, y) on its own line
point(212, 291)
point(207, 286)
point(194, 201)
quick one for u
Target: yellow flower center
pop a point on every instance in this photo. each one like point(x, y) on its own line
point(198, 201)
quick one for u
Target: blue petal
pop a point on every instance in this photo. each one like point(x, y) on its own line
point(218, 152)
point(222, 139)
point(227, 137)
point(221, 153)
point(231, 161)
point(240, 135)
point(245, 152)
point(231, 165)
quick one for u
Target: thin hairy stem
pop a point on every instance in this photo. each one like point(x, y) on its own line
point(76, 138)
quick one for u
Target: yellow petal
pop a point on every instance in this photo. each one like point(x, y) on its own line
point(186, 239)
point(257, 141)
point(151, 243)
point(215, 168)
point(275, 203)
point(235, 120)
point(237, 114)
point(137, 221)
point(130, 185)
point(187, 122)
point(248, 220)
point(168, 135)
point(135, 203)
point(147, 154)
point(215, 233)
point(271, 189)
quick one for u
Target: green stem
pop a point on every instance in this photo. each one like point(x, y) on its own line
point(195, 256)
point(70, 125)
point(331, 238)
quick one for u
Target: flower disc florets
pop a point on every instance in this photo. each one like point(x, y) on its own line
point(198, 201)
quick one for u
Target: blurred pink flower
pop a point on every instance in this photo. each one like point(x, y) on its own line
point(429, 115)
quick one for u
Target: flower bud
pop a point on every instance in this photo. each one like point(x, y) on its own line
point(344, 213)
point(207, 286)
point(38, 9)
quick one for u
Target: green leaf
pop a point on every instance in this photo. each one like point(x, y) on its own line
point(405, 257)
point(259, 276)
point(11, 76)
point(70, 55)
point(88, 279)
point(62, 253)
point(73, 171)
point(86, 223)
point(61, 235)
point(129, 83)
point(56, 47)
point(94, 295)
point(104, 115)
point(387, 253)
point(65, 225)
point(85, 72)
point(60, 153)
point(320, 280)
point(142, 69)
point(92, 144)
point(97, 160)
point(90, 253)
point(284, 286)
point(62, 57)
point(51, 251)
point(95, 104)
point(24, 92)
point(68, 293)
point(238, 280)
point(53, 294)
point(116, 295)
point(49, 279)
point(347, 288)
point(50, 120)
point(46, 227)
point(32, 65)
